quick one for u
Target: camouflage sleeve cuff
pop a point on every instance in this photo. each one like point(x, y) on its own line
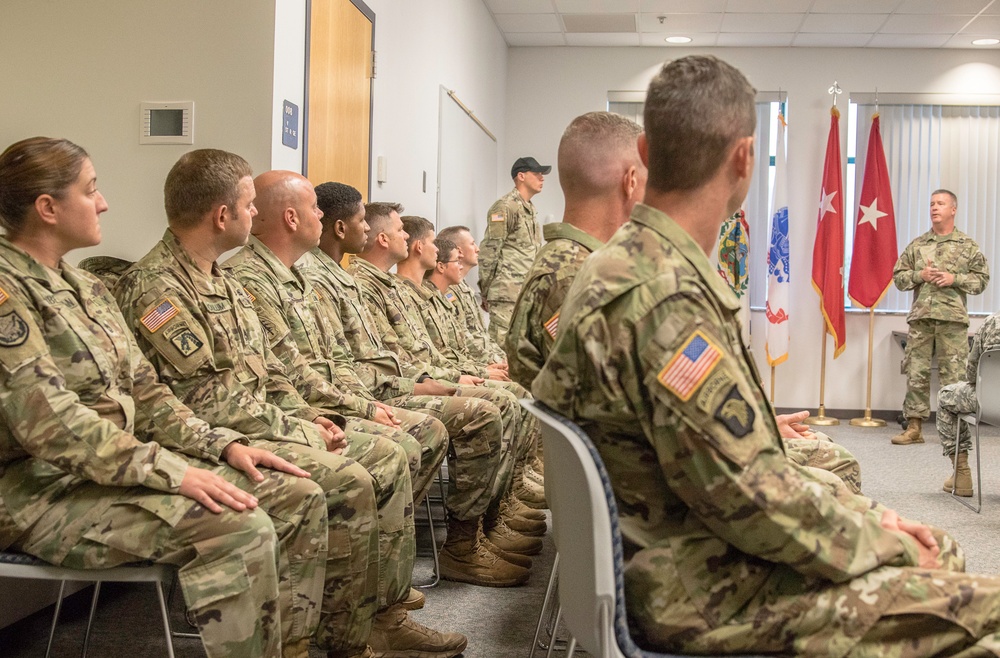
point(216, 441)
point(167, 472)
point(403, 386)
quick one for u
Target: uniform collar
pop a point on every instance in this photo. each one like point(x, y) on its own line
point(206, 284)
point(685, 245)
point(27, 266)
point(282, 274)
point(422, 292)
point(382, 277)
point(564, 231)
point(520, 199)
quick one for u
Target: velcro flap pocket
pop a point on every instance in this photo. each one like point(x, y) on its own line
point(214, 581)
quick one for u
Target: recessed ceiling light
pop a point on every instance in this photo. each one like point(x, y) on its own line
point(985, 42)
point(678, 39)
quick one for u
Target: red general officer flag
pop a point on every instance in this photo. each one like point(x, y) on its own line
point(875, 250)
point(828, 250)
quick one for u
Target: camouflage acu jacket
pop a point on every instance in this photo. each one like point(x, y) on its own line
point(721, 529)
point(203, 336)
point(442, 326)
point(987, 338)
point(476, 335)
point(509, 247)
point(378, 368)
point(955, 253)
point(287, 306)
point(80, 402)
point(536, 313)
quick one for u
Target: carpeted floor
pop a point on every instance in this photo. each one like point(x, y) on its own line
point(500, 623)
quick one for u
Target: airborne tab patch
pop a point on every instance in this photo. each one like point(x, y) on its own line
point(552, 325)
point(735, 413)
point(159, 316)
point(690, 366)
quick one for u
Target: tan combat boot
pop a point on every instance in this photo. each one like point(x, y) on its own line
point(911, 434)
point(524, 511)
point(464, 559)
point(963, 485)
point(528, 491)
point(501, 534)
point(395, 635)
point(414, 600)
point(514, 558)
point(299, 649)
point(525, 526)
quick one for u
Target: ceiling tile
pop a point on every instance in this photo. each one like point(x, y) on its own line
point(831, 40)
point(534, 39)
point(597, 6)
point(697, 40)
point(602, 39)
point(768, 6)
point(593, 23)
point(853, 6)
point(680, 23)
point(521, 6)
point(843, 23)
point(752, 40)
point(682, 6)
point(917, 24)
point(985, 25)
point(909, 40)
point(529, 23)
point(941, 6)
point(761, 22)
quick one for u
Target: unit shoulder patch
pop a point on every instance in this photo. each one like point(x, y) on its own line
point(185, 340)
point(690, 366)
point(735, 413)
point(13, 329)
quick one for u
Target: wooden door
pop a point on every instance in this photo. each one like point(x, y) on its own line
point(339, 93)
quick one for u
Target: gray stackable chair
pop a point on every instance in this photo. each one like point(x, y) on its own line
point(988, 399)
point(20, 565)
point(587, 536)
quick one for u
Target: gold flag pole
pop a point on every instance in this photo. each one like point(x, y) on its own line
point(821, 418)
point(772, 386)
point(868, 421)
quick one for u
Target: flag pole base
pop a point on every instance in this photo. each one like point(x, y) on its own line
point(821, 420)
point(867, 421)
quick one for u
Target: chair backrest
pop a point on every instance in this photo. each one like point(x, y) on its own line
point(988, 387)
point(107, 268)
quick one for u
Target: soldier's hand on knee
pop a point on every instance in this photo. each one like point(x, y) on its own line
point(498, 375)
point(921, 534)
point(433, 387)
point(469, 380)
point(332, 435)
point(790, 426)
point(384, 415)
point(246, 459)
point(209, 489)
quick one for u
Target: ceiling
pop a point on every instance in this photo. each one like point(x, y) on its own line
point(749, 23)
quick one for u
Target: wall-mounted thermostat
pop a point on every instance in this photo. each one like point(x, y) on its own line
point(166, 123)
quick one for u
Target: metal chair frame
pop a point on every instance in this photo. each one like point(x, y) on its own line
point(987, 411)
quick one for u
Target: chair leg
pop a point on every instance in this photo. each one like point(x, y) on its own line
point(434, 547)
point(979, 472)
point(90, 618)
point(555, 629)
point(55, 617)
point(545, 604)
point(571, 649)
point(166, 619)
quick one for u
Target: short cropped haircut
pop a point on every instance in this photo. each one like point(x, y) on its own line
point(338, 201)
point(445, 247)
point(33, 167)
point(954, 198)
point(417, 228)
point(696, 108)
point(596, 149)
point(452, 232)
point(377, 214)
point(200, 181)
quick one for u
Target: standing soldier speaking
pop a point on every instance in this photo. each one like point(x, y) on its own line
point(511, 242)
point(941, 267)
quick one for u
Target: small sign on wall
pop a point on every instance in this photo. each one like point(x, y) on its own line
point(290, 125)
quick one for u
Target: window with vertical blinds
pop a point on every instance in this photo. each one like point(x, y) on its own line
point(931, 146)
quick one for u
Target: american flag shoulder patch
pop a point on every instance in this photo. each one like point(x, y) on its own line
point(250, 295)
point(3, 296)
point(159, 316)
point(497, 217)
point(552, 325)
point(690, 366)
point(450, 296)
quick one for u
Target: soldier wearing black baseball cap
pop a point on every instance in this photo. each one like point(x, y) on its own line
point(528, 164)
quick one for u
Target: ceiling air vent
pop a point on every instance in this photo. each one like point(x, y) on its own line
point(588, 23)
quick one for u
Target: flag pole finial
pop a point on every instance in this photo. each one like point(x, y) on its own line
point(835, 90)
point(876, 101)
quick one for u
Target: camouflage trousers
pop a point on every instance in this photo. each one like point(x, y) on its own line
point(253, 580)
point(501, 314)
point(431, 439)
point(949, 342)
point(378, 448)
point(955, 400)
point(531, 435)
point(476, 432)
point(823, 454)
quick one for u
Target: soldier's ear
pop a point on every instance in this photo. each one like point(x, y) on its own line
point(340, 229)
point(220, 215)
point(45, 208)
point(630, 181)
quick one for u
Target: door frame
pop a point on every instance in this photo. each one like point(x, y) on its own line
point(370, 15)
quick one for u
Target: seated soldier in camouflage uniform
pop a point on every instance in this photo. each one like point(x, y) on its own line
point(103, 465)
point(355, 346)
point(730, 546)
point(199, 328)
point(959, 399)
point(288, 225)
point(433, 337)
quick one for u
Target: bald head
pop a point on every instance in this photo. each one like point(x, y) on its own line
point(595, 152)
point(277, 191)
point(287, 212)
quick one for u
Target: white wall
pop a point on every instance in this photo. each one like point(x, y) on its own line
point(80, 69)
point(550, 86)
